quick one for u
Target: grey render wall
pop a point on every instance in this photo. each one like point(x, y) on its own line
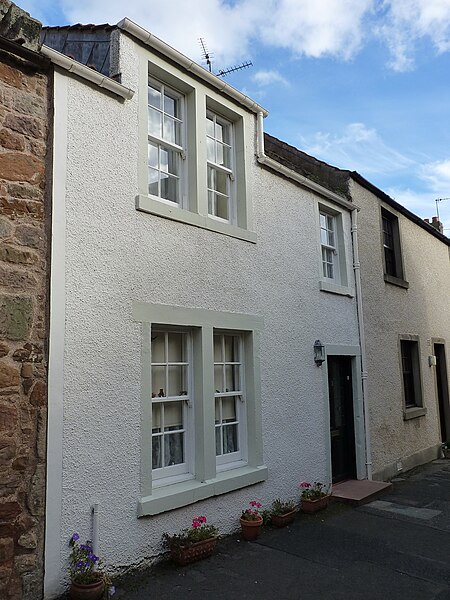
point(110, 256)
point(390, 311)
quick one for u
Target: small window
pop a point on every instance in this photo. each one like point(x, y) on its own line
point(412, 391)
point(328, 243)
point(171, 402)
point(228, 398)
point(219, 147)
point(165, 142)
point(393, 265)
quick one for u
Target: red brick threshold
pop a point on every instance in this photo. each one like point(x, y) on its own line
point(359, 491)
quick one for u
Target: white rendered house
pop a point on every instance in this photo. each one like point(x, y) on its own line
point(191, 275)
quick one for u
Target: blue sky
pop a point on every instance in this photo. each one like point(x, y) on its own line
point(361, 84)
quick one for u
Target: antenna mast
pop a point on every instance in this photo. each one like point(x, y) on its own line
point(207, 56)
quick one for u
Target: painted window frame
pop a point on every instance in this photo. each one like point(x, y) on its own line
point(199, 100)
point(415, 408)
point(340, 283)
point(207, 479)
point(393, 268)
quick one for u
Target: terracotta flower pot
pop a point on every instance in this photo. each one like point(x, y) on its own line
point(283, 520)
point(87, 591)
point(251, 529)
point(312, 506)
point(183, 555)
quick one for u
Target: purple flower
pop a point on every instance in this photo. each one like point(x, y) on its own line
point(75, 537)
point(80, 564)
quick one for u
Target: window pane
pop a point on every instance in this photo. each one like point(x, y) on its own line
point(217, 418)
point(219, 154)
point(218, 348)
point(231, 348)
point(156, 418)
point(171, 130)
point(211, 207)
point(228, 410)
point(323, 221)
point(209, 127)
point(218, 379)
point(157, 452)
point(173, 449)
point(177, 381)
point(330, 238)
point(176, 347)
point(158, 381)
point(211, 178)
point(230, 439)
point(221, 182)
point(173, 416)
point(219, 132)
point(169, 188)
point(218, 441)
point(330, 271)
point(153, 156)
point(323, 236)
point(154, 122)
point(210, 150)
point(232, 378)
point(171, 106)
point(154, 97)
point(222, 207)
point(153, 182)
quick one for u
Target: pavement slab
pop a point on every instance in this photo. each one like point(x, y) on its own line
point(396, 548)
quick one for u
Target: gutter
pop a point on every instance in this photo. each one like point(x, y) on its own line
point(75, 67)
point(265, 160)
point(155, 43)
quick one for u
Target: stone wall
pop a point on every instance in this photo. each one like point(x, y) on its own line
point(23, 324)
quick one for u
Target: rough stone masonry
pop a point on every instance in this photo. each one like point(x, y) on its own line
point(24, 219)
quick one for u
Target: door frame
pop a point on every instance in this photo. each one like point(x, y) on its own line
point(354, 353)
point(446, 416)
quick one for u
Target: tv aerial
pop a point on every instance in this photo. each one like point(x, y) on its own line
point(208, 58)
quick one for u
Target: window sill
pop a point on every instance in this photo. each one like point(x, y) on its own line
point(396, 281)
point(155, 207)
point(190, 491)
point(414, 412)
point(334, 288)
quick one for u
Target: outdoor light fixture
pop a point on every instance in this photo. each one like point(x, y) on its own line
point(319, 353)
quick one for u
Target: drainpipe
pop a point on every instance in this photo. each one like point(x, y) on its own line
point(274, 165)
point(95, 528)
point(362, 340)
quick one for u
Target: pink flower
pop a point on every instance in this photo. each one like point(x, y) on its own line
point(201, 519)
point(258, 505)
point(196, 524)
point(304, 484)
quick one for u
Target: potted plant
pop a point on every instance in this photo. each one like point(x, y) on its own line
point(282, 513)
point(193, 543)
point(251, 521)
point(88, 581)
point(315, 496)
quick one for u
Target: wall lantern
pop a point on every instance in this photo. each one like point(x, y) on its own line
point(319, 353)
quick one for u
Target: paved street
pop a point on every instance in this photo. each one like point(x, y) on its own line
point(395, 548)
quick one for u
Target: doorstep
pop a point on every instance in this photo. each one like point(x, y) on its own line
point(358, 491)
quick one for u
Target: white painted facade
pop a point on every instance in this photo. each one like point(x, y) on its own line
point(109, 258)
point(401, 440)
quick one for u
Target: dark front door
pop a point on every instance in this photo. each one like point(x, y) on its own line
point(342, 430)
point(442, 391)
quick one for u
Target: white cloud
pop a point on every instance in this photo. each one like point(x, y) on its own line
point(357, 148)
point(264, 78)
point(407, 21)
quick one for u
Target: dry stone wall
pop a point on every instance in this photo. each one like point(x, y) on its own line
point(23, 325)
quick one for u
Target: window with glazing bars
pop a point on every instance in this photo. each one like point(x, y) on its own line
point(219, 146)
point(328, 245)
point(171, 399)
point(228, 397)
point(165, 142)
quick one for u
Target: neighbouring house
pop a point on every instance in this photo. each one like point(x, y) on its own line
point(405, 296)
point(25, 77)
point(192, 276)
point(405, 271)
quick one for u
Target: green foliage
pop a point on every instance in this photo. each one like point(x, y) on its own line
point(280, 507)
point(198, 532)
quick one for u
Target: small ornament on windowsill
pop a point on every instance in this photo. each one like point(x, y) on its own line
point(183, 393)
point(161, 393)
point(153, 395)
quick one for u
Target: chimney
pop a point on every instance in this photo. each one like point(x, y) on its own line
point(436, 224)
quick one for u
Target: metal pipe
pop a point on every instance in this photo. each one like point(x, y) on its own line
point(362, 341)
point(95, 528)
